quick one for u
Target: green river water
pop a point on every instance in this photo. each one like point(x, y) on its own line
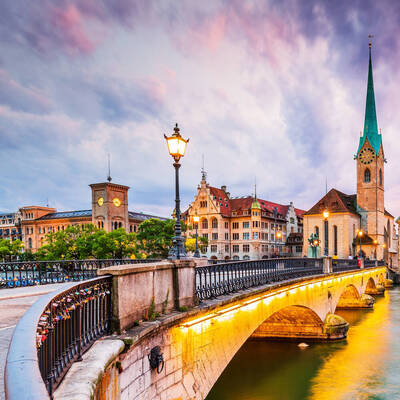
point(365, 366)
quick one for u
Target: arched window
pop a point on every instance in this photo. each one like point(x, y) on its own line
point(30, 243)
point(115, 225)
point(120, 225)
point(204, 223)
point(316, 228)
point(367, 176)
point(214, 223)
point(380, 177)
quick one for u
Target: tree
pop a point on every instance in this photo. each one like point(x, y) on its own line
point(114, 244)
point(155, 237)
point(10, 249)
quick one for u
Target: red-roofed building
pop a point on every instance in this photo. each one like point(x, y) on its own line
point(244, 227)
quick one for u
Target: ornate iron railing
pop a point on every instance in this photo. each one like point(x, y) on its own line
point(29, 273)
point(340, 265)
point(54, 333)
point(219, 279)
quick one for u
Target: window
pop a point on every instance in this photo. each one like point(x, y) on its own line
point(226, 236)
point(299, 249)
point(235, 248)
point(203, 204)
point(335, 240)
point(130, 228)
point(227, 248)
point(204, 223)
point(255, 213)
point(255, 235)
point(316, 229)
point(367, 176)
point(246, 225)
point(213, 248)
point(205, 235)
point(246, 248)
point(380, 177)
point(40, 229)
point(30, 243)
point(245, 212)
point(214, 223)
point(49, 229)
point(235, 236)
point(120, 225)
point(235, 225)
point(256, 224)
point(226, 225)
point(246, 236)
point(215, 236)
point(134, 227)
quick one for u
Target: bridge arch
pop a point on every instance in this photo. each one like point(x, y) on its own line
point(289, 322)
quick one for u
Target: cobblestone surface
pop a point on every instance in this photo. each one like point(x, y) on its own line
point(13, 304)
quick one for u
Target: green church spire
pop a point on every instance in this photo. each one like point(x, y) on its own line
point(370, 124)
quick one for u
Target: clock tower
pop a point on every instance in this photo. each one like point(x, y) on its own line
point(110, 206)
point(370, 167)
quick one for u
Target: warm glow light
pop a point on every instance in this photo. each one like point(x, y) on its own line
point(375, 241)
point(360, 233)
point(196, 218)
point(326, 214)
point(279, 235)
point(176, 144)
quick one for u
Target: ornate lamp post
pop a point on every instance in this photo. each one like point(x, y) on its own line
point(326, 216)
point(196, 220)
point(375, 243)
point(279, 236)
point(176, 147)
point(360, 233)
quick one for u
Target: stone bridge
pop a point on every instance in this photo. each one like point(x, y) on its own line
point(197, 344)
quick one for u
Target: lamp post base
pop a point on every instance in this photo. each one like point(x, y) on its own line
point(177, 251)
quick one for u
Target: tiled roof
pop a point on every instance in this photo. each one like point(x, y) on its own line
point(67, 214)
point(335, 201)
point(143, 217)
point(227, 206)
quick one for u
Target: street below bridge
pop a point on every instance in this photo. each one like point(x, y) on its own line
point(13, 304)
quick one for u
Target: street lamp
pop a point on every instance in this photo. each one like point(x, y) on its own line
point(375, 243)
point(279, 235)
point(326, 216)
point(176, 147)
point(360, 233)
point(196, 220)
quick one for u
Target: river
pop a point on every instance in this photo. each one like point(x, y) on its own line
point(365, 366)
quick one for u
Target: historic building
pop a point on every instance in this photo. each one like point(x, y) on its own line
point(357, 222)
point(245, 227)
point(10, 226)
point(109, 211)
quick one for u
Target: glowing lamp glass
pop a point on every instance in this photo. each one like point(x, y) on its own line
point(360, 233)
point(326, 214)
point(176, 146)
point(196, 218)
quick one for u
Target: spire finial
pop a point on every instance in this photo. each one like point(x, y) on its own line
point(203, 172)
point(109, 169)
point(370, 40)
point(255, 188)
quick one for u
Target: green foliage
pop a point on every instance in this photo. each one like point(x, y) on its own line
point(10, 249)
point(77, 242)
point(165, 303)
point(151, 314)
point(155, 237)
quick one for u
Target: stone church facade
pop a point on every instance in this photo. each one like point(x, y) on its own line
point(357, 222)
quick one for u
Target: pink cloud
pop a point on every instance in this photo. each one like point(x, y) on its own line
point(70, 26)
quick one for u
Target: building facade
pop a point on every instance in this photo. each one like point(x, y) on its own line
point(10, 226)
point(243, 228)
point(109, 211)
point(357, 223)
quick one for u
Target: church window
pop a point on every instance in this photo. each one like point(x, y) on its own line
point(380, 177)
point(367, 176)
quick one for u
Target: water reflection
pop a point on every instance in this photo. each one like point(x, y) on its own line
point(366, 366)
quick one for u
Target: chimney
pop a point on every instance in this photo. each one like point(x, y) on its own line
point(228, 195)
point(223, 187)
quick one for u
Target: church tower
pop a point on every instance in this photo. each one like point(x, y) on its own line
point(370, 167)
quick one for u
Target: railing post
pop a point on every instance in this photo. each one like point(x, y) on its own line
point(327, 265)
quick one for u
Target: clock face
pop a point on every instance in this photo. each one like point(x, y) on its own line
point(367, 155)
point(116, 201)
point(100, 201)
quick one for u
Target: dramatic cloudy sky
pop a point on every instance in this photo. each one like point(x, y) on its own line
point(267, 89)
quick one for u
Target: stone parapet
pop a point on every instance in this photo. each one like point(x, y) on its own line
point(142, 290)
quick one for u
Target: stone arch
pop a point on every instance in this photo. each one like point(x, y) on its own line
point(370, 284)
point(351, 298)
point(381, 279)
point(291, 321)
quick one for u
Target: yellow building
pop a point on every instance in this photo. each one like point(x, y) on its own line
point(357, 223)
point(244, 228)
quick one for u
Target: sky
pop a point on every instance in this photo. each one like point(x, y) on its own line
point(272, 91)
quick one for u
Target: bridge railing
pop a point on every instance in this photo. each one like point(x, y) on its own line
point(30, 273)
point(225, 278)
point(53, 334)
point(341, 265)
